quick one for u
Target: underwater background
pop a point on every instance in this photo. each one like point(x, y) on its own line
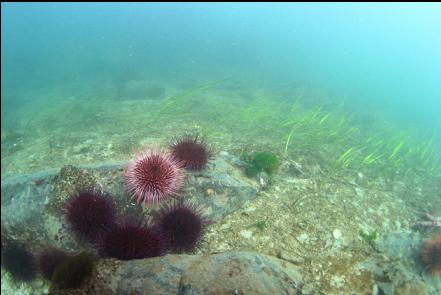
point(345, 97)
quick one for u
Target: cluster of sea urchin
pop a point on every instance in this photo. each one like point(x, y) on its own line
point(154, 175)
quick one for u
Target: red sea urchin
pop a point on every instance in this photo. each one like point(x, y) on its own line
point(129, 241)
point(191, 151)
point(182, 225)
point(90, 214)
point(153, 176)
point(431, 255)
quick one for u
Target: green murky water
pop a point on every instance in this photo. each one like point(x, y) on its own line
point(346, 96)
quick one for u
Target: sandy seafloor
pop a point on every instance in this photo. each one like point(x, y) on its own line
point(311, 217)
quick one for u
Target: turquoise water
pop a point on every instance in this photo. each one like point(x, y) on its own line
point(336, 91)
point(385, 54)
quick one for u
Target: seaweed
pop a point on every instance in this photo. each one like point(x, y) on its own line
point(369, 238)
point(73, 271)
point(260, 162)
point(260, 225)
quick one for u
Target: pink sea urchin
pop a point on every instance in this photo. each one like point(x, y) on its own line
point(153, 176)
point(431, 255)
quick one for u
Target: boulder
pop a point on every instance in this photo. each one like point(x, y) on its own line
point(32, 205)
point(224, 273)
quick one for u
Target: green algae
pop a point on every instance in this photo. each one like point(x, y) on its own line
point(73, 271)
point(260, 162)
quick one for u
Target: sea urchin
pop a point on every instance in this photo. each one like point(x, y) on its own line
point(182, 225)
point(19, 262)
point(48, 260)
point(90, 214)
point(153, 176)
point(129, 241)
point(191, 151)
point(431, 255)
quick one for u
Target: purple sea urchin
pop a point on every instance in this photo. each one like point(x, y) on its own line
point(48, 260)
point(431, 255)
point(129, 241)
point(191, 151)
point(19, 262)
point(90, 214)
point(153, 176)
point(182, 225)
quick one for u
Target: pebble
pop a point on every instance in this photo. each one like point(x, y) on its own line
point(337, 281)
point(360, 179)
point(337, 234)
point(303, 238)
point(209, 192)
point(246, 233)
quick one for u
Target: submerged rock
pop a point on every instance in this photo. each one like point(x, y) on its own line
point(227, 185)
point(32, 205)
point(399, 269)
point(225, 273)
